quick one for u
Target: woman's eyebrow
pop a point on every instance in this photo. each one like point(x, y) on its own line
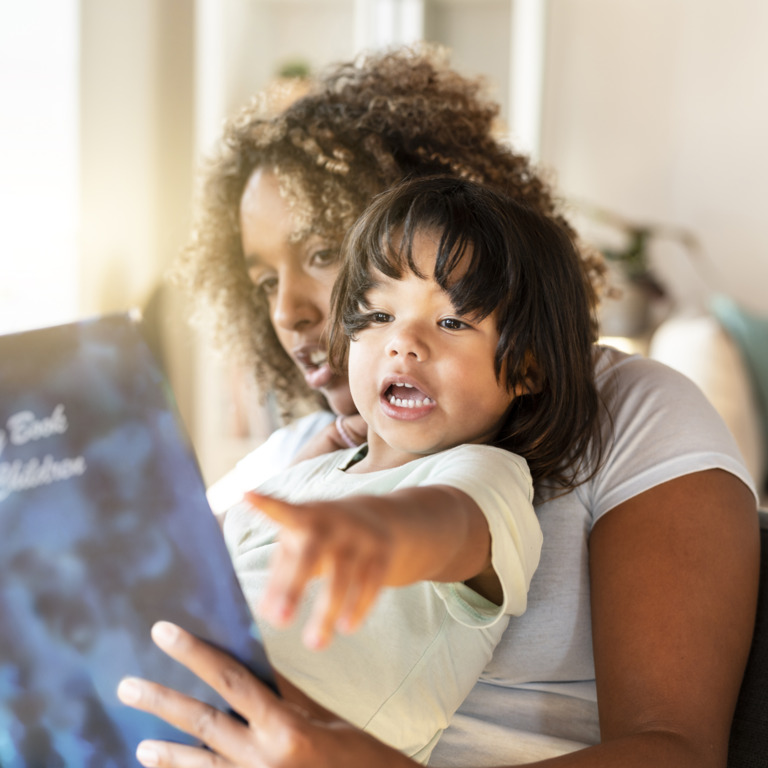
point(252, 260)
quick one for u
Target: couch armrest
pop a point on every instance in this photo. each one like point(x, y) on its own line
point(703, 351)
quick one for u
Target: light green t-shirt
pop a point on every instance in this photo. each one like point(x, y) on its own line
point(422, 648)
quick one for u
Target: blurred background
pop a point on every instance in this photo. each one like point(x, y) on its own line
point(650, 117)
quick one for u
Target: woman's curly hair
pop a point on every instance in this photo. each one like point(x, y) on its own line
point(361, 126)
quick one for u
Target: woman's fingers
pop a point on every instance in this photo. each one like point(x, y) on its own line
point(236, 684)
point(211, 726)
point(161, 754)
point(277, 734)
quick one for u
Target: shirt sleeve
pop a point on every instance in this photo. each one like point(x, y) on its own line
point(500, 484)
point(663, 427)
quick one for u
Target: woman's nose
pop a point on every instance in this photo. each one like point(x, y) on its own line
point(296, 305)
point(408, 343)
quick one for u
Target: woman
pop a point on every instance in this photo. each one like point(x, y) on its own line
point(640, 615)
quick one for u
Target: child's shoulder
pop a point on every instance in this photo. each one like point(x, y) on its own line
point(476, 460)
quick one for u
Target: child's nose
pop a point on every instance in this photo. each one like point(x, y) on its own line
point(409, 344)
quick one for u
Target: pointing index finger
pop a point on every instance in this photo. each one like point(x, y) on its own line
point(280, 511)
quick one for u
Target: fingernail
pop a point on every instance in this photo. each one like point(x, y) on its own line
point(129, 690)
point(278, 611)
point(313, 639)
point(147, 755)
point(165, 632)
point(284, 610)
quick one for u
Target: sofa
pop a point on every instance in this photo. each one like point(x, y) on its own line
point(725, 352)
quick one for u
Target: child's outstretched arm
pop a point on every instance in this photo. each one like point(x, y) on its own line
point(362, 543)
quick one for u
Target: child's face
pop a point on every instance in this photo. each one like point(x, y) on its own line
point(421, 376)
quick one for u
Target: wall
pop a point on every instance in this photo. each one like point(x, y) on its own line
point(39, 122)
point(658, 109)
point(137, 154)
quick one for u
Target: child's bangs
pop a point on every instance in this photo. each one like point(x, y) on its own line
point(468, 241)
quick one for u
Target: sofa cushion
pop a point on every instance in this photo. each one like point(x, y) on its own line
point(700, 348)
point(750, 332)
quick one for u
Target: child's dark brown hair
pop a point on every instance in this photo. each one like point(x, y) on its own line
point(363, 126)
point(494, 255)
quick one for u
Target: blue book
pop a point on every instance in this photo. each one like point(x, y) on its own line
point(104, 529)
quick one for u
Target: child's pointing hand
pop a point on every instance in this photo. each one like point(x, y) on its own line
point(346, 542)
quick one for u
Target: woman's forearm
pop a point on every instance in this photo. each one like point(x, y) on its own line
point(650, 749)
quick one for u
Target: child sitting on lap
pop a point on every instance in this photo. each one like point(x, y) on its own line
point(425, 537)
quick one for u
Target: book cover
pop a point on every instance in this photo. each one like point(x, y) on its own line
point(104, 529)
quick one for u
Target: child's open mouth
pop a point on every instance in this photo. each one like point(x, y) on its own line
point(405, 395)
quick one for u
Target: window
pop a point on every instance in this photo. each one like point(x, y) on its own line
point(38, 162)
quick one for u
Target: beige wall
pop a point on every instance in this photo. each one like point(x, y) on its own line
point(656, 109)
point(136, 158)
point(659, 109)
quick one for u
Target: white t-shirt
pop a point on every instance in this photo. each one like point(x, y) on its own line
point(536, 699)
point(422, 648)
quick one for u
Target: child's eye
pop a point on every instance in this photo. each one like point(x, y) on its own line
point(452, 324)
point(380, 317)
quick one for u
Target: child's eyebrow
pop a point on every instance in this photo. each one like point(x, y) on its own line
point(375, 277)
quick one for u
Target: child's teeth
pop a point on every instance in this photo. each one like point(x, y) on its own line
point(408, 403)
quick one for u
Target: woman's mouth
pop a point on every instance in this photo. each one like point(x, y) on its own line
point(314, 364)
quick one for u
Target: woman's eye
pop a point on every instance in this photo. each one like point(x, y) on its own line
point(323, 258)
point(452, 324)
point(380, 317)
point(267, 285)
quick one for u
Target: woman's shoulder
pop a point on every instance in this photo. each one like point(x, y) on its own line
point(659, 426)
point(627, 382)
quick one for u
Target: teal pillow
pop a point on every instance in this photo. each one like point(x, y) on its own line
point(750, 332)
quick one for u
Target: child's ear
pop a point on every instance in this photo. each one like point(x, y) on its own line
point(533, 379)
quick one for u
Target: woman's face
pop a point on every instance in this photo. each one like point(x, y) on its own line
point(297, 278)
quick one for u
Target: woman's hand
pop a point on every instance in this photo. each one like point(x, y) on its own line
point(276, 734)
point(330, 439)
point(345, 541)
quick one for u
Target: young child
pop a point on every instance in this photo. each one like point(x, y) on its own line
point(448, 297)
